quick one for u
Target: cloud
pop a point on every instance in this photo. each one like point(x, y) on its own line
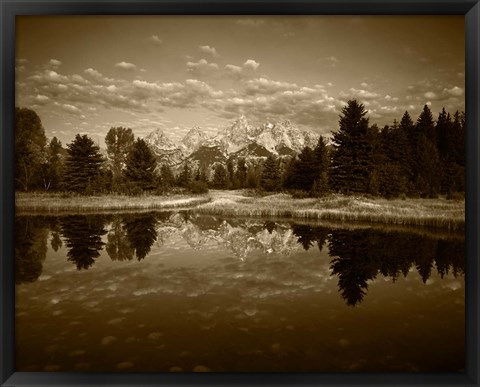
point(454, 91)
point(93, 73)
point(154, 39)
point(208, 50)
point(233, 70)
point(201, 68)
point(251, 64)
point(70, 108)
point(359, 93)
point(125, 66)
point(185, 94)
point(55, 62)
point(330, 61)
point(430, 95)
point(267, 86)
point(41, 99)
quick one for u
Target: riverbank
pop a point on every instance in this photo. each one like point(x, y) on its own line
point(441, 213)
point(43, 203)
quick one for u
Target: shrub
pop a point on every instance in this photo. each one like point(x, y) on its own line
point(198, 187)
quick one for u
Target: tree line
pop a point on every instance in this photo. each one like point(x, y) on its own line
point(424, 158)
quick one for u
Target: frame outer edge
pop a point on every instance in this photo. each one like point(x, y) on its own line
point(472, 213)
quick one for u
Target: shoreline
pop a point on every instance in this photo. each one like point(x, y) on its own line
point(437, 213)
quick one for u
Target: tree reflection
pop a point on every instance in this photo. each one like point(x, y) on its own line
point(308, 235)
point(360, 255)
point(118, 247)
point(56, 240)
point(83, 238)
point(31, 235)
point(141, 233)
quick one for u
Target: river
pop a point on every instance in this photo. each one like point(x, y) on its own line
point(167, 291)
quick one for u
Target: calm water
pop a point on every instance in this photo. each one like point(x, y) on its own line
point(180, 292)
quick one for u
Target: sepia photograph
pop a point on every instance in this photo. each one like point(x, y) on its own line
point(239, 194)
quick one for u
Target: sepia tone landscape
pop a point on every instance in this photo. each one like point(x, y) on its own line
point(240, 194)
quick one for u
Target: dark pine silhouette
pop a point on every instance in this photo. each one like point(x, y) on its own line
point(83, 166)
point(351, 160)
point(83, 238)
point(140, 233)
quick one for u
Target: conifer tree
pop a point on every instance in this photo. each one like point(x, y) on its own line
point(351, 163)
point(427, 161)
point(166, 177)
point(270, 176)
point(320, 183)
point(186, 176)
point(219, 177)
point(83, 165)
point(241, 172)
point(140, 166)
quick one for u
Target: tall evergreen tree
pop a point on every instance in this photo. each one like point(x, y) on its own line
point(320, 184)
point(166, 177)
point(219, 177)
point(140, 165)
point(83, 165)
point(270, 177)
point(351, 163)
point(186, 176)
point(427, 161)
point(303, 171)
point(241, 172)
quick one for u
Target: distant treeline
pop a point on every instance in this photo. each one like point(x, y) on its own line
point(418, 159)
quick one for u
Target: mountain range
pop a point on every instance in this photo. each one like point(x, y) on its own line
point(241, 139)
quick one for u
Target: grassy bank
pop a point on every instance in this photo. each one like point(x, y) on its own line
point(58, 203)
point(438, 213)
point(416, 212)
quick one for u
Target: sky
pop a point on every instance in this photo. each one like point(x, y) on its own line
point(86, 74)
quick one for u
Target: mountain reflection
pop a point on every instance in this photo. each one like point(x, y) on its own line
point(358, 256)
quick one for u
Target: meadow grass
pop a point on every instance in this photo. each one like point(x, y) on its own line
point(441, 213)
point(416, 212)
point(60, 203)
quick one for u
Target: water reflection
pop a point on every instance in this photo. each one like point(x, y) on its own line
point(357, 256)
point(30, 248)
point(83, 238)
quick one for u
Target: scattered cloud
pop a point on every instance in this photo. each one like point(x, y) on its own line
point(41, 99)
point(208, 50)
point(430, 95)
point(251, 64)
point(233, 70)
point(55, 62)
point(125, 66)
point(454, 91)
point(359, 94)
point(70, 108)
point(201, 68)
point(330, 61)
point(154, 39)
point(93, 73)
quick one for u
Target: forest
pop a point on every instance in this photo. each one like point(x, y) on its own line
point(423, 158)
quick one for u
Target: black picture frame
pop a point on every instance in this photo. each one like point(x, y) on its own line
point(9, 9)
